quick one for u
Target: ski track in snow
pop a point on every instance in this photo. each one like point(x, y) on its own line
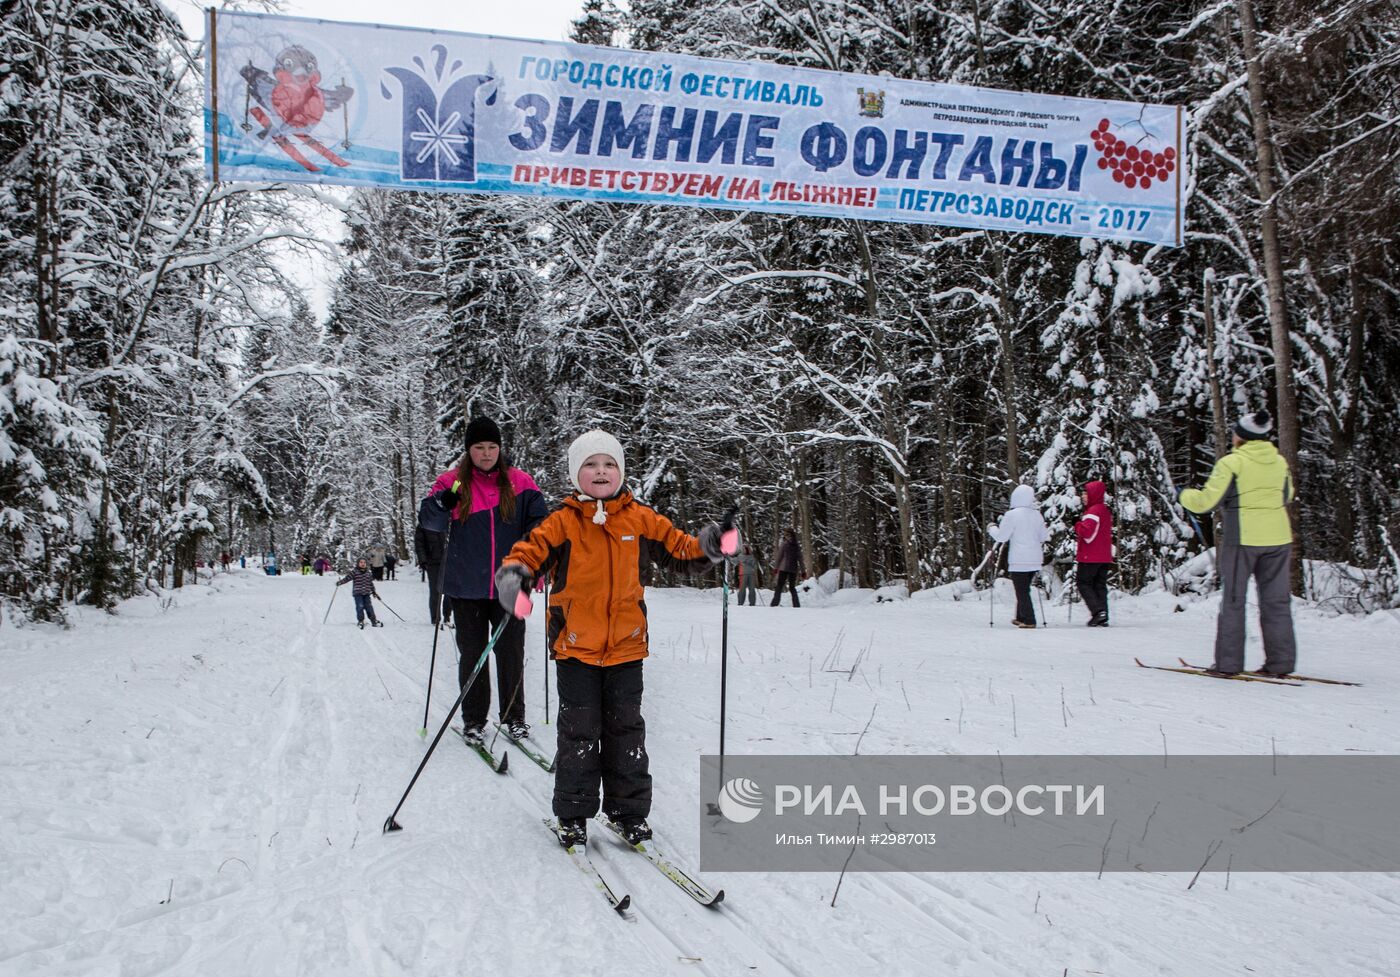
point(197, 786)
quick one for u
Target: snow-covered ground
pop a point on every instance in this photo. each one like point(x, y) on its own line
point(197, 785)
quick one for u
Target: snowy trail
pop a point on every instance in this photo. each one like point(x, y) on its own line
point(197, 787)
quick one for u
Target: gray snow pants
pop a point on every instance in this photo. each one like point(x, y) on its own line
point(1269, 566)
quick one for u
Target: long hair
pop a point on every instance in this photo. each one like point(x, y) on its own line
point(503, 485)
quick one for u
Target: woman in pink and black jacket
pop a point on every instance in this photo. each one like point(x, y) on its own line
point(1094, 554)
point(493, 506)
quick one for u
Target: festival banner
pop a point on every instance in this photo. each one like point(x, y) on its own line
point(315, 101)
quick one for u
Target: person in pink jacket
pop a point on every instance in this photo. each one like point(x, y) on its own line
point(1094, 554)
point(492, 506)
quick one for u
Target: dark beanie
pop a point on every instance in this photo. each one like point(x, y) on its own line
point(1254, 427)
point(482, 429)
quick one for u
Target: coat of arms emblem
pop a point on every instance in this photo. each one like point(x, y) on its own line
point(872, 104)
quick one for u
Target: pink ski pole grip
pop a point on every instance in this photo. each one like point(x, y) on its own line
point(523, 605)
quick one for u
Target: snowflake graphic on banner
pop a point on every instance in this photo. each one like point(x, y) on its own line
point(438, 118)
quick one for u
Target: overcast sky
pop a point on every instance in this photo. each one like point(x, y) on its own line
point(546, 20)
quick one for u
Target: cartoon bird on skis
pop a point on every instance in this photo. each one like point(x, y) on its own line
point(290, 102)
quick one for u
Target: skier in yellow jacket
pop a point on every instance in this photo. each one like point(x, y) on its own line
point(1253, 487)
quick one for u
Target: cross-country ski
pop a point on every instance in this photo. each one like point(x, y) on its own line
point(1212, 673)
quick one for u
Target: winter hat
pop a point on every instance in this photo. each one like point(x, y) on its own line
point(482, 429)
point(1023, 497)
point(1254, 427)
point(595, 442)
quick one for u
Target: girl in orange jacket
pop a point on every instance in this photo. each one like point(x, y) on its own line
point(594, 547)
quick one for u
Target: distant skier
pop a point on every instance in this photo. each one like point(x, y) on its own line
point(1253, 487)
point(1094, 553)
point(750, 578)
point(787, 567)
point(391, 561)
point(377, 555)
point(429, 539)
point(1024, 530)
point(362, 587)
point(306, 564)
point(493, 505)
point(594, 546)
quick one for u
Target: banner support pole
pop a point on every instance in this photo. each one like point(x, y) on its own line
point(214, 89)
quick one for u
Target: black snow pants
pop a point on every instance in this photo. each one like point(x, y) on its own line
point(1092, 581)
point(1025, 608)
point(602, 738)
point(475, 620)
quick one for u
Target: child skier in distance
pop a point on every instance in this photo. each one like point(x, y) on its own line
point(593, 546)
point(1023, 529)
point(1094, 553)
point(362, 588)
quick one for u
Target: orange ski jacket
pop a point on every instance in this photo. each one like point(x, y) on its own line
point(597, 604)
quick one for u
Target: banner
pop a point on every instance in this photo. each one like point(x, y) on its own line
point(314, 101)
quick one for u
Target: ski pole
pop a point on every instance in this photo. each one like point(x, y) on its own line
point(1040, 599)
point(440, 614)
point(726, 528)
point(1071, 585)
point(331, 604)
point(545, 629)
point(992, 604)
point(388, 608)
point(390, 824)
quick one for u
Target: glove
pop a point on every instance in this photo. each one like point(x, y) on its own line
point(991, 529)
point(447, 499)
point(718, 540)
point(717, 543)
point(512, 589)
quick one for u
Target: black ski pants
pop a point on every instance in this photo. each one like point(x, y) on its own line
point(475, 620)
point(602, 738)
point(789, 579)
point(1092, 581)
point(1025, 607)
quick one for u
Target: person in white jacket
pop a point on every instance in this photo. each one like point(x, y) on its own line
point(1024, 530)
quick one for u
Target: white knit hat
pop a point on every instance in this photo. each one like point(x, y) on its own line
point(595, 442)
point(1255, 426)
